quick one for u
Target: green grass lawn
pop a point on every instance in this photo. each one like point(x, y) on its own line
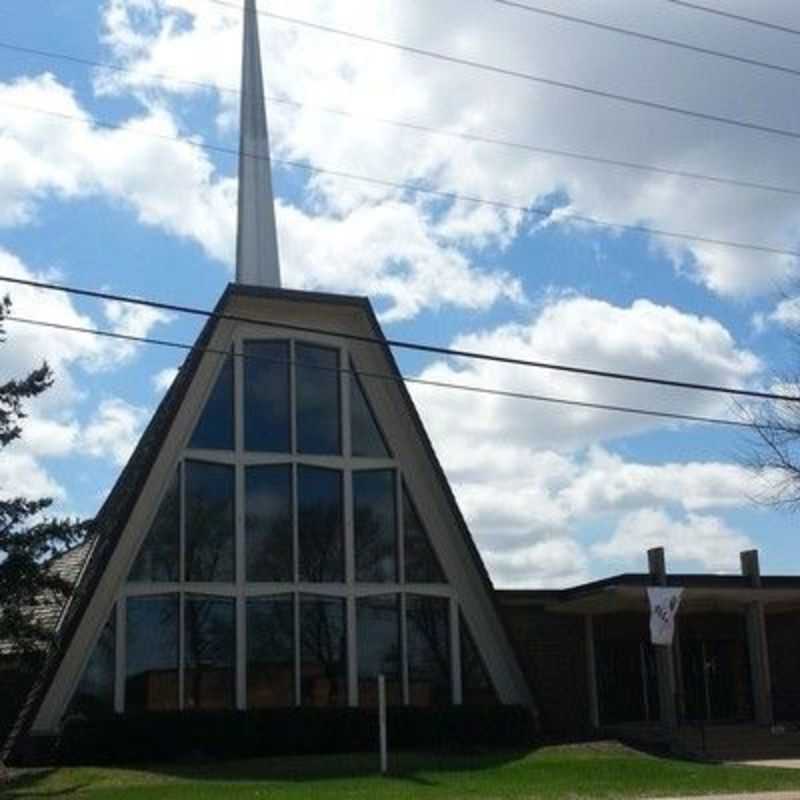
point(600, 770)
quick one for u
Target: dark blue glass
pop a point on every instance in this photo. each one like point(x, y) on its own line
point(157, 561)
point(320, 524)
point(268, 523)
point(152, 653)
point(214, 430)
point(318, 403)
point(476, 685)
point(209, 675)
point(428, 637)
point(422, 565)
point(267, 410)
point(209, 521)
point(270, 652)
point(95, 693)
point(367, 439)
point(379, 652)
point(375, 524)
point(323, 651)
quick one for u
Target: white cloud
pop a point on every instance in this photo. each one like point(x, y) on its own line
point(22, 475)
point(53, 427)
point(531, 477)
point(706, 541)
point(114, 430)
point(163, 379)
point(643, 338)
point(174, 36)
point(554, 563)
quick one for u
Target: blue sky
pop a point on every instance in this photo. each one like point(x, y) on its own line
point(553, 496)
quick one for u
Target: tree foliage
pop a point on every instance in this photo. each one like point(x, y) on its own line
point(29, 537)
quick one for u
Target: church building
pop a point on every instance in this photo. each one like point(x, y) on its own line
point(283, 532)
point(283, 535)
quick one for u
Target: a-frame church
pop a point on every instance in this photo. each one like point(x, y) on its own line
point(283, 532)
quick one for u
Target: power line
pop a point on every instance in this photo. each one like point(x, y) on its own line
point(706, 51)
point(738, 17)
point(545, 213)
point(526, 76)
point(585, 404)
point(402, 344)
point(468, 136)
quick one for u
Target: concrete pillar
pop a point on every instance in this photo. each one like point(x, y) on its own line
point(665, 660)
point(757, 642)
point(591, 673)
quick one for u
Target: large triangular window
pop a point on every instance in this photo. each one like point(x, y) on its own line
point(422, 565)
point(214, 429)
point(367, 439)
point(158, 559)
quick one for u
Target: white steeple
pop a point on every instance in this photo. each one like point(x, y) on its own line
point(256, 238)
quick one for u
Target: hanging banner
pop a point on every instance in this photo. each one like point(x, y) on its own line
point(664, 605)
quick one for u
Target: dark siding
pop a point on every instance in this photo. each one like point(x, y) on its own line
point(783, 637)
point(552, 652)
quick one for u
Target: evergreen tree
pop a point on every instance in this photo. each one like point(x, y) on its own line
point(29, 538)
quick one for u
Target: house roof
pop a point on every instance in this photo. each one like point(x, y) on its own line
point(49, 608)
point(625, 592)
point(113, 515)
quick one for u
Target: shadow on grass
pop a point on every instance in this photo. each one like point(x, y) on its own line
point(418, 769)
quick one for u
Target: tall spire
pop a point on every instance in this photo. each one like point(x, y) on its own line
point(256, 238)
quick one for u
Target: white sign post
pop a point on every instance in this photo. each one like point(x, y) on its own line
point(382, 723)
point(664, 604)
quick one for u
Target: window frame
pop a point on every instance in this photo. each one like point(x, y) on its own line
point(240, 589)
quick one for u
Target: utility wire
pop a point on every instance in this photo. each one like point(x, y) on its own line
point(402, 344)
point(545, 213)
point(706, 51)
point(670, 415)
point(738, 17)
point(468, 136)
point(526, 76)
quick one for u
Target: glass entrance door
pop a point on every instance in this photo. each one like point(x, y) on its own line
point(710, 669)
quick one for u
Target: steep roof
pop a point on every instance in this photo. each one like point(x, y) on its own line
point(113, 515)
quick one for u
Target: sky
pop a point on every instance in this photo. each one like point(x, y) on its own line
point(553, 495)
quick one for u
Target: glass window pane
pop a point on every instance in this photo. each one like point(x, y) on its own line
point(476, 685)
point(214, 430)
point(152, 653)
point(375, 524)
point(268, 523)
point(270, 651)
point(158, 559)
point(378, 632)
point(318, 414)
point(266, 396)
point(323, 654)
point(321, 533)
point(428, 634)
point(422, 565)
point(95, 693)
point(367, 439)
point(209, 676)
point(209, 521)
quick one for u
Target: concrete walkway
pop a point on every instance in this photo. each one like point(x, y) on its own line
point(785, 763)
point(747, 796)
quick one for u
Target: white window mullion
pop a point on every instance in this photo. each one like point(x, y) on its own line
point(404, 650)
point(181, 649)
point(298, 667)
point(401, 536)
point(344, 388)
point(455, 653)
point(292, 398)
point(241, 651)
point(352, 653)
point(120, 657)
